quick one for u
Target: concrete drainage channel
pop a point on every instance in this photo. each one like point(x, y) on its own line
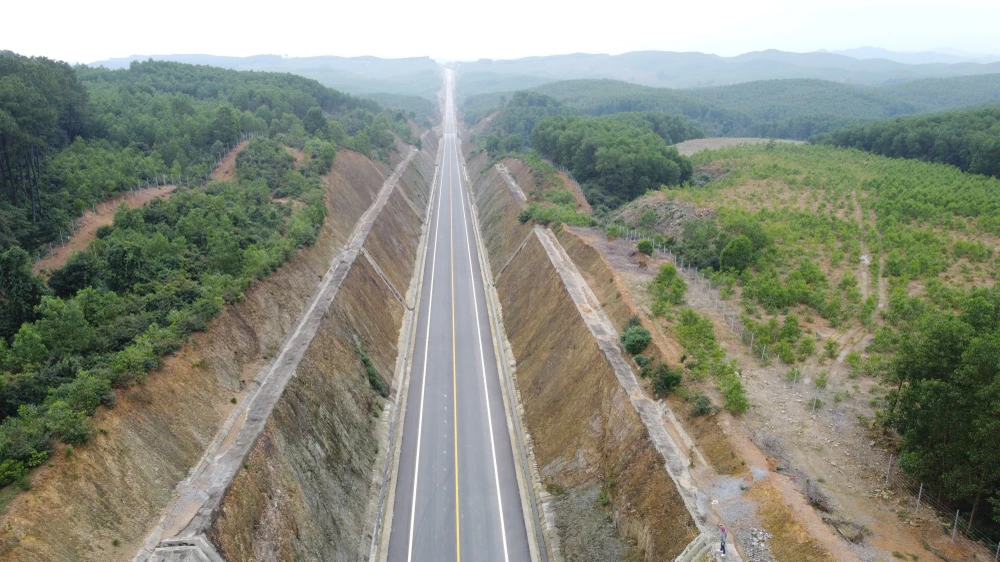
point(181, 533)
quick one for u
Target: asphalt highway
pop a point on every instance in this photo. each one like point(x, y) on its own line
point(456, 493)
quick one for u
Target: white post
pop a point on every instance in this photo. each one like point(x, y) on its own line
point(997, 556)
point(954, 529)
point(888, 470)
point(920, 494)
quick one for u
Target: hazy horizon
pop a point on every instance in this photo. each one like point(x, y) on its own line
point(89, 32)
point(845, 52)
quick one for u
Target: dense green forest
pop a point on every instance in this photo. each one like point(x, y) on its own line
point(794, 109)
point(70, 138)
point(969, 140)
point(787, 235)
point(615, 158)
point(159, 273)
point(422, 110)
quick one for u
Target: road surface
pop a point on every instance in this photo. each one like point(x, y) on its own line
point(456, 493)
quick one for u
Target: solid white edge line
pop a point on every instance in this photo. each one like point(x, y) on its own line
point(423, 382)
point(482, 362)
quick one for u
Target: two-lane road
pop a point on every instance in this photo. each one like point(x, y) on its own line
point(456, 493)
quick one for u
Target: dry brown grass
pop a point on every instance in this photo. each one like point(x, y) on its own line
point(789, 540)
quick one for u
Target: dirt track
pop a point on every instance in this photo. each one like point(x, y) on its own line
point(687, 148)
point(87, 225)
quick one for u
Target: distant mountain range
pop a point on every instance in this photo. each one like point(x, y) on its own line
point(941, 56)
point(420, 76)
point(690, 70)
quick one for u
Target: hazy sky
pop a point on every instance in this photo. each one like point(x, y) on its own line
point(85, 31)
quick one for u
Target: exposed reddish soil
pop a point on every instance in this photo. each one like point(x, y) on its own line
point(297, 154)
point(226, 170)
point(687, 148)
point(87, 225)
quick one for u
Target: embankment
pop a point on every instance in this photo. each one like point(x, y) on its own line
point(101, 502)
point(303, 490)
point(590, 445)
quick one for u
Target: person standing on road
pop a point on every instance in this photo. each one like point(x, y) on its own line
point(722, 533)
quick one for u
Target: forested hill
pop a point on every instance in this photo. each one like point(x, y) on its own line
point(795, 109)
point(70, 138)
point(615, 158)
point(969, 140)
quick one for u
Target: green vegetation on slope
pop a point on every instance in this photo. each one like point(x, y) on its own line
point(69, 139)
point(809, 214)
point(423, 111)
point(163, 270)
point(969, 140)
point(159, 273)
point(615, 159)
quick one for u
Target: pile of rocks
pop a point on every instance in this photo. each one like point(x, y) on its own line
point(753, 544)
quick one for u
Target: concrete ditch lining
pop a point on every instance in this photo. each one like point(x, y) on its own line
point(512, 256)
point(196, 500)
point(676, 462)
point(511, 184)
point(381, 274)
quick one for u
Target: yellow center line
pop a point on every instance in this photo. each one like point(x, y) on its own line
point(454, 363)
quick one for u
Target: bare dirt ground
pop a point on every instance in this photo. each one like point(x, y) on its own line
point(296, 153)
point(87, 225)
point(687, 148)
point(791, 449)
point(226, 171)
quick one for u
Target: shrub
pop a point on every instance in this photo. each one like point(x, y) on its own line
point(732, 389)
point(374, 377)
point(665, 379)
point(702, 405)
point(645, 247)
point(11, 471)
point(854, 362)
point(668, 287)
point(785, 352)
point(807, 347)
point(633, 320)
point(821, 379)
point(737, 255)
point(830, 348)
point(645, 365)
point(635, 339)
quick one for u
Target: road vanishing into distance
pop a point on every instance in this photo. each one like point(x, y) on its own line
point(456, 494)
